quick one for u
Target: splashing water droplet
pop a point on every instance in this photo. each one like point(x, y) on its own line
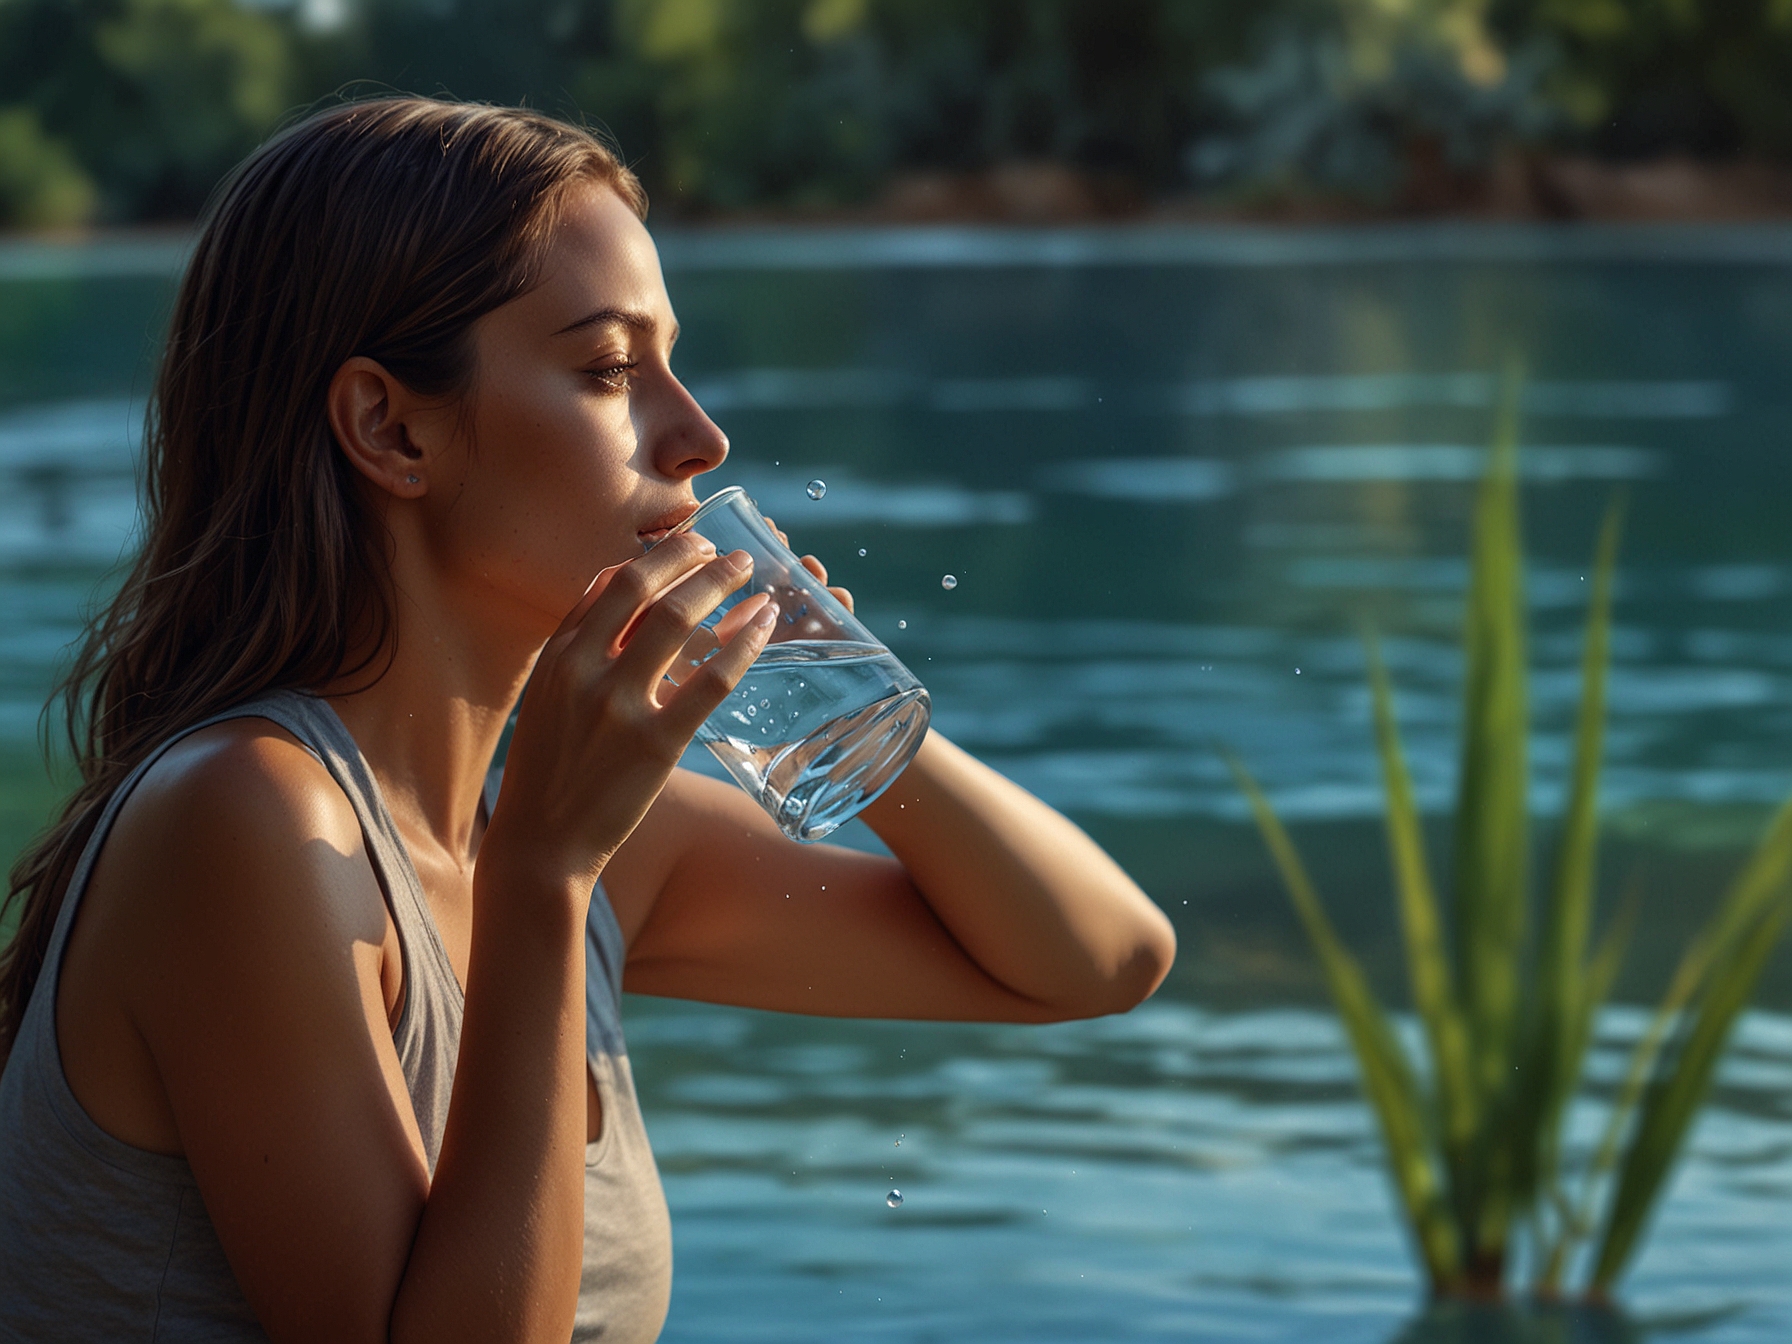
point(817, 489)
point(894, 1199)
point(902, 625)
point(861, 550)
point(949, 582)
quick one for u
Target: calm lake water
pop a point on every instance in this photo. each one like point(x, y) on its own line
point(1173, 474)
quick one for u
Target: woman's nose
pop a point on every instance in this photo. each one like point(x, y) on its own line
point(689, 442)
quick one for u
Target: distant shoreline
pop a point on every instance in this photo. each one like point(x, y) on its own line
point(836, 245)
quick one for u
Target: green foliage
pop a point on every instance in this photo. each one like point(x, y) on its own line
point(1507, 1013)
point(1642, 77)
point(155, 98)
point(820, 103)
point(41, 184)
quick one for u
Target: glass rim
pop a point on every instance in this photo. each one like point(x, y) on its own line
point(722, 497)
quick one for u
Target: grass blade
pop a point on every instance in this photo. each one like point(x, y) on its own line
point(1682, 1077)
point(1573, 1226)
point(1754, 889)
point(1386, 1075)
point(1491, 858)
point(1427, 959)
point(1561, 1016)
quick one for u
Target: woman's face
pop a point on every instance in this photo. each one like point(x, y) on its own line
point(580, 443)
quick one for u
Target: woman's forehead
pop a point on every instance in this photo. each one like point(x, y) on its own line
point(601, 258)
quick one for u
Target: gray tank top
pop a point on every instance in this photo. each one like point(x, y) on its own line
point(103, 1241)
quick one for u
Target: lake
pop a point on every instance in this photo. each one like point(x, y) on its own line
point(1175, 472)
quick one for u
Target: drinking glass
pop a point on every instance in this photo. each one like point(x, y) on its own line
point(826, 717)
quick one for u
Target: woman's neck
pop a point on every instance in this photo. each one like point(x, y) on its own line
point(430, 724)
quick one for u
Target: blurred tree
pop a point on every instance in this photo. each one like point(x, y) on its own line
point(1641, 78)
point(1359, 97)
point(155, 98)
point(815, 102)
point(132, 109)
point(42, 186)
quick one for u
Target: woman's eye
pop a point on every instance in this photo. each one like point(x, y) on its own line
point(613, 377)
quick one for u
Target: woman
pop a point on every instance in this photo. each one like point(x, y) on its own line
point(415, 395)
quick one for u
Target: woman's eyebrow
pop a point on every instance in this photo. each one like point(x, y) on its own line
point(607, 317)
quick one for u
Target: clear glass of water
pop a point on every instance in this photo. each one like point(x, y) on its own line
point(826, 717)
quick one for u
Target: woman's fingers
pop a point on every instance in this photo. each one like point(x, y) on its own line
point(664, 628)
point(703, 641)
point(843, 597)
point(610, 616)
point(708, 686)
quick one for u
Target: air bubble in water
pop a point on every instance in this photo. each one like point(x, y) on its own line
point(765, 704)
point(792, 806)
point(894, 1199)
point(949, 582)
point(861, 550)
point(752, 711)
point(902, 625)
point(817, 488)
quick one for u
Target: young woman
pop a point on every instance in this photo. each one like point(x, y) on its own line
point(305, 1040)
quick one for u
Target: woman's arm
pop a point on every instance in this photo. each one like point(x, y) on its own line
point(1030, 898)
point(994, 908)
point(262, 993)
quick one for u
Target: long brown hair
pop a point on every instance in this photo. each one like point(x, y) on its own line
point(382, 228)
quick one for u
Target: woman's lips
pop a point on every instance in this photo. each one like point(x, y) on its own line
point(657, 531)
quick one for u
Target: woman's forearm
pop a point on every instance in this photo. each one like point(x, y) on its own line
point(499, 1248)
point(1031, 898)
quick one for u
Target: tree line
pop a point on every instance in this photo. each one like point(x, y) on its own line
point(128, 111)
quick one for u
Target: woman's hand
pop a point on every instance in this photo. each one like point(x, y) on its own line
point(600, 728)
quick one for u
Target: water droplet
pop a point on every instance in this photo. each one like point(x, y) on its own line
point(902, 625)
point(765, 704)
point(894, 1199)
point(949, 582)
point(792, 806)
point(817, 489)
point(1297, 671)
point(861, 550)
point(752, 711)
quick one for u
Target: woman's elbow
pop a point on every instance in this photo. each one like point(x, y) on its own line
point(1141, 973)
point(1132, 972)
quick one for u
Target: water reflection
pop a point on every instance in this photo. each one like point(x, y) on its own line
point(1523, 1323)
point(1174, 1174)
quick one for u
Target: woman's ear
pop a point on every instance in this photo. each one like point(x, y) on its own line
point(376, 419)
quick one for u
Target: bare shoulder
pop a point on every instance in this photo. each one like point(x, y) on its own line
point(241, 775)
point(236, 825)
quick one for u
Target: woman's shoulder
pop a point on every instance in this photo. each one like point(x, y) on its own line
point(233, 812)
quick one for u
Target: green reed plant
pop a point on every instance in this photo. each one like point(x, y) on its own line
point(1473, 1138)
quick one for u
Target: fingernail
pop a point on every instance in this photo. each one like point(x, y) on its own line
point(739, 560)
point(766, 614)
